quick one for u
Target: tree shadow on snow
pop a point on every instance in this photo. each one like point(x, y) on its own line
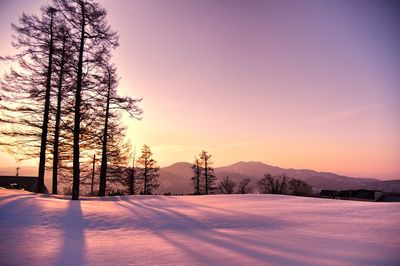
point(195, 233)
point(73, 243)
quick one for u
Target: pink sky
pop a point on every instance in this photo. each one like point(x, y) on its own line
point(302, 84)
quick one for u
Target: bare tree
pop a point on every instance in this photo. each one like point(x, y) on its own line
point(113, 102)
point(65, 54)
point(63, 69)
point(299, 188)
point(273, 184)
point(226, 185)
point(35, 40)
point(244, 186)
point(95, 39)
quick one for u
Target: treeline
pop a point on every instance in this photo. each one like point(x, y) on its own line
point(59, 101)
point(205, 182)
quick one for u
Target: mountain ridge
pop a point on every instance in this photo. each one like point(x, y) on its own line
point(255, 170)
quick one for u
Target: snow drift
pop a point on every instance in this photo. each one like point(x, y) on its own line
point(213, 230)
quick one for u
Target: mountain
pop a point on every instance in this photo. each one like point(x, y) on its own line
point(176, 178)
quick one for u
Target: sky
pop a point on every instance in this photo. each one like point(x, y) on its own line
point(295, 84)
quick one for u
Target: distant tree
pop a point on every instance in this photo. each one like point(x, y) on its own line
point(197, 177)
point(148, 171)
point(243, 187)
point(131, 171)
point(299, 188)
point(226, 185)
point(273, 184)
point(208, 172)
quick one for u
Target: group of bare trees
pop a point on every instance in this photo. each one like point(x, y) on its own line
point(59, 101)
point(282, 184)
point(227, 186)
point(278, 184)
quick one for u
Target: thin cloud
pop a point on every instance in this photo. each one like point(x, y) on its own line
point(342, 114)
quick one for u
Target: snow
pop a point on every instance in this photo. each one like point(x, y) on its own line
point(196, 230)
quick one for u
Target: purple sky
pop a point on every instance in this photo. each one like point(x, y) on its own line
point(303, 84)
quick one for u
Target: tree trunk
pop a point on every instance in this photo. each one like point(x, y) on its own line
point(76, 177)
point(58, 118)
point(94, 165)
point(132, 177)
point(145, 178)
point(197, 178)
point(103, 171)
point(206, 175)
point(42, 160)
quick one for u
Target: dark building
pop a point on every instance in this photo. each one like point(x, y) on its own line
point(28, 183)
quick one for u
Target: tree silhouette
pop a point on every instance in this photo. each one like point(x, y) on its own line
point(226, 185)
point(112, 100)
point(95, 39)
point(299, 188)
point(62, 103)
point(208, 172)
point(35, 41)
point(148, 171)
point(273, 184)
point(244, 186)
point(197, 177)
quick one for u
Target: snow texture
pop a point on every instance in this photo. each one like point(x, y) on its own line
point(196, 230)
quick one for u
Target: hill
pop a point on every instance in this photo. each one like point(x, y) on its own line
point(177, 177)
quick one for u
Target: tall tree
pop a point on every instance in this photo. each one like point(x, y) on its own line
point(35, 40)
point(113, 103)
point(63, 51)
point(89, 27)
point(41, 187)
point(148, 171)
point(197, 177)
point(208, 172)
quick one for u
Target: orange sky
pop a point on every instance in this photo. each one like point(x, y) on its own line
point(305, 84)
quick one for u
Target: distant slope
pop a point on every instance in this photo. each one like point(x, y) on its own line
point(176, 178)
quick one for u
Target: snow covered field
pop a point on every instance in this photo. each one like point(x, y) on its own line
point(216, 230)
